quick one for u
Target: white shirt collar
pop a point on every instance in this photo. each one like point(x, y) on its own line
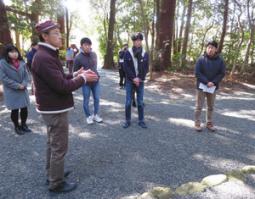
point(48, 46)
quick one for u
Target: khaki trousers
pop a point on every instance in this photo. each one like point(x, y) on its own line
point(57, 145)
point(200, 99)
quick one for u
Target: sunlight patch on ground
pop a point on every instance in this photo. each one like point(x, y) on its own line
point(248, 85)
point(86, 135)
point(231, 97)
point(4, 111)
point(154, 118)
point(251, 157)
point(181, 122)
point(222, 164)
point(252, 136)
point(187, 96)
point(224, 129)
point(112, 122)
point(111, 103)
point(244, 114)
point(242, 93)
point(80, 97)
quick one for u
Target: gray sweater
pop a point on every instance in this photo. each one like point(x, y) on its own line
point(86, 60)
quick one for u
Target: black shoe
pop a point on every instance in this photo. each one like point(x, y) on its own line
point(66, 174)
point(64, 187)
point(143, 125)
point(126, 124)
point(25, 128)
point(18, 130)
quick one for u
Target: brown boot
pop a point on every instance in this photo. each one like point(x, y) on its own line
point(198, 127)
point(210, 127)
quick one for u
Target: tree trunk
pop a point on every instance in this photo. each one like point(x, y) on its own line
point(224, 27)
point(237, 53)
point(61, 22)
point(166, 22)
point(67, 27)
point(203, 40)
point(17, 40)
point(186, 34)
point(181, 29)
point(5, 35)
point(252, 33)
point(157, 3)
point(34, 18)
point(108, 61)
point(145, 25)
point(152, 41)
point(176, 29)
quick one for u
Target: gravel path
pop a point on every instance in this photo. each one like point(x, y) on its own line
point(110, 162)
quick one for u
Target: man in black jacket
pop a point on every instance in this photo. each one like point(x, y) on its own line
point(209, 71)
point(121, 65)
point(136, 63)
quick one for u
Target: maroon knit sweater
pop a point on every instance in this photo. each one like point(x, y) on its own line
point(53, 88)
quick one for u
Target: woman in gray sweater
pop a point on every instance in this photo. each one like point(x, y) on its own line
point(14, 76)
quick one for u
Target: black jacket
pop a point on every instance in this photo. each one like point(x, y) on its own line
point(129, 68)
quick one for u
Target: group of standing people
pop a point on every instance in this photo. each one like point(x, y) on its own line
point(53, 90)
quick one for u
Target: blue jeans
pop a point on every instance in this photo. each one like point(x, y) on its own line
point(130, 87)
point(95, 88)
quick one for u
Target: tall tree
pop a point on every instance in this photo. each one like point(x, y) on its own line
point(251, 22)
point(181, 28)
point(166, 24)
point(108, 59)
point(186, 34)
point(68, 27)
point(224, 27)
point(61, 22)
point(5, 35)
point(240, 39)
point(36, 10)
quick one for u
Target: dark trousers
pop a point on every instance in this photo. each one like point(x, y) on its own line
point(69, 65)
point(130, 87)
point(57, 145)
point(15, 116)
point(122, 77)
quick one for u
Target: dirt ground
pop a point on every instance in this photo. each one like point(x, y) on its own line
point(178, 83)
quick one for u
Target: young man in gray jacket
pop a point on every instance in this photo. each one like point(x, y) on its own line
point(87, 59)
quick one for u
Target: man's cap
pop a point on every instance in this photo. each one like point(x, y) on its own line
point(137, 36)
point(86, 40)
point(212, 43)
point(46, 26)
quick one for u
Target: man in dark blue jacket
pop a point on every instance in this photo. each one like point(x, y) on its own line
point(210, 70)
point(136, 62)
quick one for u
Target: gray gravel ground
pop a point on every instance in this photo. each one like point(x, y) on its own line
point(110, 162)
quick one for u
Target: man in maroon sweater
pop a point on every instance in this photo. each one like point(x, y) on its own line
point(53, 92)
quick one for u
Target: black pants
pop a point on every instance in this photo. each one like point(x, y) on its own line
point(122, 77)
point(15, 116)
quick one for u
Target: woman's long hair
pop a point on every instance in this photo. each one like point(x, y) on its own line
point(8, 48)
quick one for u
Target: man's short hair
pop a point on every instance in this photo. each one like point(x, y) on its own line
point(137, 36)
point(86, 40)
point(212, 43)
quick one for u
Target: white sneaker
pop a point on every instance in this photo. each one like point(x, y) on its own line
point(97, 118)
point(90, 120)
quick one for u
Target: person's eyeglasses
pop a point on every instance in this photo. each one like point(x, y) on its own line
point(56, 33)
